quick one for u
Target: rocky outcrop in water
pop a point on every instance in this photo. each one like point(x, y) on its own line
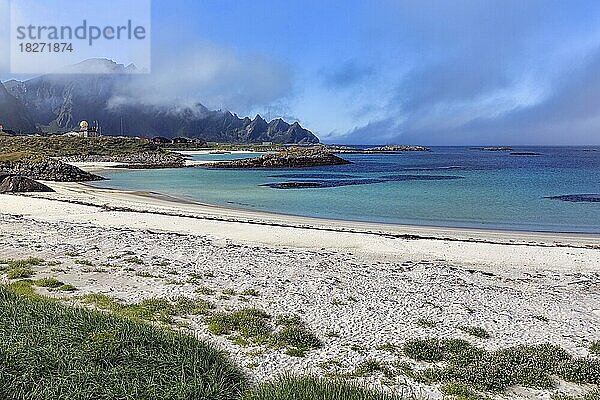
point(395, 149)
point(389, 149)
point(46, 169)
point(21, 184)
point(503, 148)
point(293, 158)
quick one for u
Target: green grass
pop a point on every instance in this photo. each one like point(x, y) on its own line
point(432, 350)
point(134, 260)
point(249, 323)
point(459, 391)
point(66, 288)
point(19, 272)
point(580, 370)
point(53, 351)
point(286, 332)
point(48, 283)
point(525, 365)
point(205, 290)
point(426, 323)
point(145, 274)
point(592, 395)
point(16, 269)
point(160, 310)
point(476, 331)
point(295, 336)
point(23, 288)
point(250, 292)
point(595, 348)
point(314, 388)
point(370, 367)
point(28, 262)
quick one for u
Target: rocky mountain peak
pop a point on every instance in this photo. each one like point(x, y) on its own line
point(94, 92)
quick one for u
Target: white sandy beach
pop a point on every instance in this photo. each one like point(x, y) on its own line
point(357, 285)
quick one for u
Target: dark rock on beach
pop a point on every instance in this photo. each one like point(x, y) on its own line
point(46, 169)
point(292, 158)
point(21, 184)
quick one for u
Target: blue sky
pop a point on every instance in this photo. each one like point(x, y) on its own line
point(422, 72)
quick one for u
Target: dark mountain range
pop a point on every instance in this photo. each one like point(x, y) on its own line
point(12, 113)
point(57, 103)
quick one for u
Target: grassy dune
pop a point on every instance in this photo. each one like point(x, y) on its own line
point(52, 351)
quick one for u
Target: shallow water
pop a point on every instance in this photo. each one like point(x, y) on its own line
point(449, 186)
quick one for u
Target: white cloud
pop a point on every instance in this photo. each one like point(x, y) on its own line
point(215, 76)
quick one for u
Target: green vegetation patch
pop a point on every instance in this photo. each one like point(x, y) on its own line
point(460, 391)
point(249, 323)
point(370, 367)
point(15, 148)
point(525, 365)
point(17, 269)
point(250, 292)
point(592, 395)
point(66, 288)
point(255, 325)
point(160, 310)
point(595, 348)
point(426, 323)
point(52, 351)
point(314, 388)
point(19, 272)
point(205, 290)
point(48, 283)
point(475, 331)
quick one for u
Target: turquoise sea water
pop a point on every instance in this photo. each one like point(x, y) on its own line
point(449, 186)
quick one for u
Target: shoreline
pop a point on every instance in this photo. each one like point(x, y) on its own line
point(431, 230)
point(359, 287)
point(113, 208)
point(436, 230)
point(266, 218)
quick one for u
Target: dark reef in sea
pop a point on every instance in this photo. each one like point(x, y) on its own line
point(577, 198)
point(399, 178)
point(313, 176)
point(327, 183)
